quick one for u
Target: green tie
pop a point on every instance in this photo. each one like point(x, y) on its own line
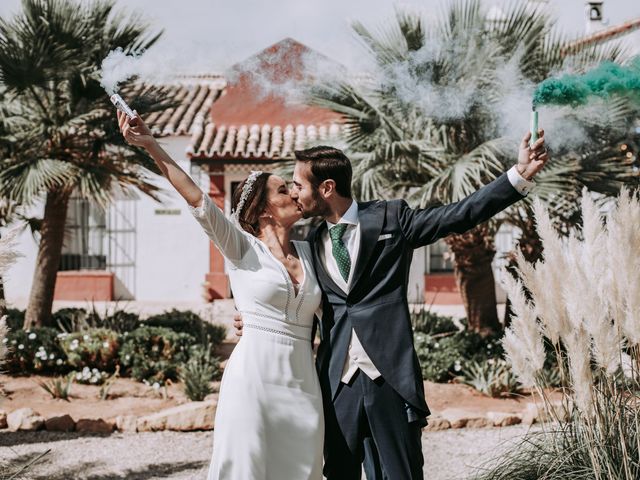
point(340, 252)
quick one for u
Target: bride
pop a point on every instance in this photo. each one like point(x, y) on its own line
point(269, 422)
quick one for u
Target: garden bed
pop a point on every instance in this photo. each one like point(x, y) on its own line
point(450, 403)
point(126, 397)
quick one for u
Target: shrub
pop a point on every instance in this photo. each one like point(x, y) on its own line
point(93, 349)
point(439, 363)
point(154, 353)
point(35, 351)
point(121, 321)
point(198, 373)
point(90, 376)
point(108, 382)
point(426, 321)
point(4, 330)
point(186, 321)
point(71, 320)
point(491, 377)
point(443, 357)
point(14, 318)
point(59, 387)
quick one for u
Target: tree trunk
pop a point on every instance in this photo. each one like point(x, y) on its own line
point(38, 312)
point(473, 253)
point(3, 300)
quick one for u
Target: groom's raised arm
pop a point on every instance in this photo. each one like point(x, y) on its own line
point(424, 226)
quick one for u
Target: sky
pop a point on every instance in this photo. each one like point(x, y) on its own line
point(210, 35)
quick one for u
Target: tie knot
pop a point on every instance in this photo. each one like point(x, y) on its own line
point(337, 231)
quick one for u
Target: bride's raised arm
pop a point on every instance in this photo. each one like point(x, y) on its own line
point(225, 235)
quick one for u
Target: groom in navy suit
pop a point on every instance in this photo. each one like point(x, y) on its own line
point(369, 372)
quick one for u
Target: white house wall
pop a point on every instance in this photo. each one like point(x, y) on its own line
point(18, 280)
point(172, 250)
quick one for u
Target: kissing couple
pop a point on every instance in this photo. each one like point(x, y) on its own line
point(361, 402)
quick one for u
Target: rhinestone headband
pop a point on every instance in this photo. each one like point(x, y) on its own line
point(246, 191)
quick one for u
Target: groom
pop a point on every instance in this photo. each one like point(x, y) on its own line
point(369, 372)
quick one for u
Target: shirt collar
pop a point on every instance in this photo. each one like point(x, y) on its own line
point(350, 217)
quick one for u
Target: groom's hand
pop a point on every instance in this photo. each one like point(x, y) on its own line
point(237, 324)
point(531, 159)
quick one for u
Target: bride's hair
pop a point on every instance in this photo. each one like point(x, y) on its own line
point(254, 205)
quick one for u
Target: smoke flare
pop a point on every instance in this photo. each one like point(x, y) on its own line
point(603, 81)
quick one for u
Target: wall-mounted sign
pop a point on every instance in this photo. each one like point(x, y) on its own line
point(167, 211)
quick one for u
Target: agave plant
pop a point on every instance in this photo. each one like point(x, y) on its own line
point(59, 387)
point(58, 133)
point(427, 124)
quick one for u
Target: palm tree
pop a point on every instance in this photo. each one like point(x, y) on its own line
point(58, 129)
point(425, 124)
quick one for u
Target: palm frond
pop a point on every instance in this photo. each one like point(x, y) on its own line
point(57, 126)
point(404, 148)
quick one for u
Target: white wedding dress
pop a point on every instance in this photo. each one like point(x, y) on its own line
point(269, 422)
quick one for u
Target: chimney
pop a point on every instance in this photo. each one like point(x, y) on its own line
point(595, 17)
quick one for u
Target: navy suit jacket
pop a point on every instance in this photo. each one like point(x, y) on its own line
point(376, 306)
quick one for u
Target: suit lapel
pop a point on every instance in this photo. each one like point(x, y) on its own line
point(371, 218)
point(321, 269)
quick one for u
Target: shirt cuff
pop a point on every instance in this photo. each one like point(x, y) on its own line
point(519, 183)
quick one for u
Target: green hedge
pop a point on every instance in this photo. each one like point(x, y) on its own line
point(93, 349)
point(155, 353)
point(186, 321)
point(34, 351)
point(84, 340)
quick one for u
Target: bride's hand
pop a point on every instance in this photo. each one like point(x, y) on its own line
point(237, 324)
point(135, 131)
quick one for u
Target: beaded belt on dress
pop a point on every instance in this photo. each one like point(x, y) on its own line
point(265, 323)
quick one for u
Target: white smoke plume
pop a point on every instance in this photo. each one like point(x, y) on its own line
point(503, 91)
point(160, 64)
point(282, 74)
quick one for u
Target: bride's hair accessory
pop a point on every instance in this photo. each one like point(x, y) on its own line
point(246, 191)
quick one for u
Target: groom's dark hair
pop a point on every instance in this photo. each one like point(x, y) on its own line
point(328, 163)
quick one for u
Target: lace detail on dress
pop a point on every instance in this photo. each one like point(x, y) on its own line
point(273, 330)
point(200, 210)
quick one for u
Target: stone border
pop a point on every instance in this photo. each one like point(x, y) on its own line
point(184, 418)
point(194, 416)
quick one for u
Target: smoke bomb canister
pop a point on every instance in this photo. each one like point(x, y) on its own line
point(122, 105)
point(534, 127)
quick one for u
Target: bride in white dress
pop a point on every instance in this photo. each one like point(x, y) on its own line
point(269, 423)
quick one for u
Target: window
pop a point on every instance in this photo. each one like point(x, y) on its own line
point(439, 258)
point(84, 240)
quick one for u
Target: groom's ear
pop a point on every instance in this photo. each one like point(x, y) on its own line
point(327, 188)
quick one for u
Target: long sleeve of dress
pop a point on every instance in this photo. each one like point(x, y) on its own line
point(223, 232)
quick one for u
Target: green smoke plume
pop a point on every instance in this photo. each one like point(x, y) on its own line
point(607, 79)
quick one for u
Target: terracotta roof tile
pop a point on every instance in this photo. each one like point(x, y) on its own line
point(244, 123)
point(195, 96)
point(604, 35)
point(257, 141)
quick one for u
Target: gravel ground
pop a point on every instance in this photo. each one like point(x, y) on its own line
point(449, 454)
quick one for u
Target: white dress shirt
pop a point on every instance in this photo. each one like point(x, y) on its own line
point(357, 357)
point(519, 183)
